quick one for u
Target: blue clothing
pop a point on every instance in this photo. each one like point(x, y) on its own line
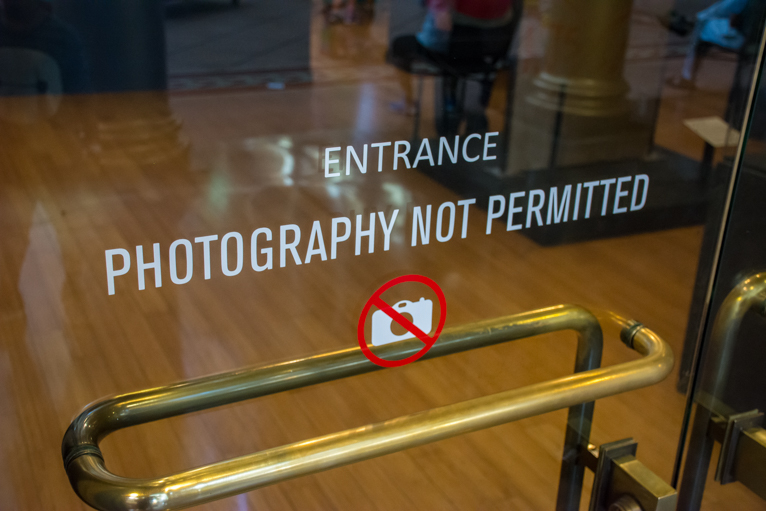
point(719, 31)
point(723, 9)
point(714, 26)
point(431, 37)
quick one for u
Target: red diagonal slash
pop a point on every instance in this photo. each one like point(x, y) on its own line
point(378, 302)
point(407, 324)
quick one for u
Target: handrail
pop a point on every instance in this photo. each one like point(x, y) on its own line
point(108, 492)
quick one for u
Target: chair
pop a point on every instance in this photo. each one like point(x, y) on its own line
point(475, 55)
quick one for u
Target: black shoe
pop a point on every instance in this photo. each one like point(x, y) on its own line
point(677, 23)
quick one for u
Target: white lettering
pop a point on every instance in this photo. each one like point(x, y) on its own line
point(387, 228)
point(350, 152)
point(553, 199)
point(174, 264)
point(535, 208)
point(334, 238)
point(589, 185)
point(440, 218)
point(423, 226)
point(284, 246)
point(380, 146)
point(491, 213)
point(225, 254)
point(370, 233)
point(606, 183)
point(451, 154)
point(265, 251)
point(577, 202)
point(513, 210)
point(427, 146)
point(205, 240)
point(465, 203)
point(111, 273)
point(487, 145)
point(619, 193)
point(634, 205)
point(316, 239)
point(328, 161)
point(465, 147)
point(141, 267)
point(398, 154)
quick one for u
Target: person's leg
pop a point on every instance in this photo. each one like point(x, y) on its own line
point(408, 105)
point(477, 50)
point(497, 42)
point(691, 61)
point(402, 53)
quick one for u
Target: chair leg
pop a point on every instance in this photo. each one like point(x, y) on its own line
point(418, 103)
point(449, 106)
point(462, 90)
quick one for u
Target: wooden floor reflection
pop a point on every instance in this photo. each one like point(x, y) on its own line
point(88, 180)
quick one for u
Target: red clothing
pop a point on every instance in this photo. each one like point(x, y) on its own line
point(479, 9)
point(483, 9)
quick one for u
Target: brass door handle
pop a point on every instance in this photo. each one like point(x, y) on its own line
point(747, 296)
point(109, 492)
point(742, 456)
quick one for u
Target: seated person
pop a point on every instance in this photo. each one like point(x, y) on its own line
point(723, 24)
point(429, 46)
point(457, 37)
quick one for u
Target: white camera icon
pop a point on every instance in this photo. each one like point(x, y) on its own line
point(421, 312)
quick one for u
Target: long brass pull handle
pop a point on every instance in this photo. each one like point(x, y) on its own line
point(108, 492)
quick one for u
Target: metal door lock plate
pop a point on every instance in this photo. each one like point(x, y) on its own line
point(733, 427)
point(622, 483)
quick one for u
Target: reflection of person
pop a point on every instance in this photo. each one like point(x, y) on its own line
point(348, 11)
point(720, 25)
point(456, 36)
point(39, 53)
point(431, 45)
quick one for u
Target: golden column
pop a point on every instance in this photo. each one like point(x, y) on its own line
point(584, 59)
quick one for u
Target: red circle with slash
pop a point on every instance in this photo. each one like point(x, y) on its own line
point(378, 302)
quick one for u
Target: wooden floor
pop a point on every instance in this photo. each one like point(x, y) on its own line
point(237, 161)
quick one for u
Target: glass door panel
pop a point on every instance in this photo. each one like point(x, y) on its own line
point(728, 380)
point(193, 187)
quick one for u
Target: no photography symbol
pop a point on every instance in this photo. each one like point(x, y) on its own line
point(393, 315)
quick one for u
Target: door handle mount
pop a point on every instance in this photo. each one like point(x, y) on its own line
point(743, 450)
point(622, 483)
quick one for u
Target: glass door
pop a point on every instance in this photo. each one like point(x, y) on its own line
point(727, 441)
point(376, 254)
